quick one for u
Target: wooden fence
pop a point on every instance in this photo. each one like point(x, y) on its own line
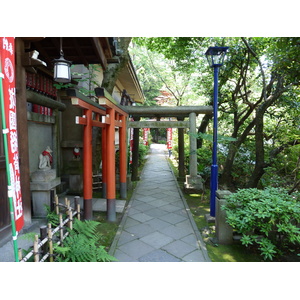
point(43, 249)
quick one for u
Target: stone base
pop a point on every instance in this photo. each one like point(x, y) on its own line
point(193, 184)
point(75, 184)
point(209, 218)
point(43, 181)
point(224, 232)
point(43, 175)
point(39, 200)
point(44, 185)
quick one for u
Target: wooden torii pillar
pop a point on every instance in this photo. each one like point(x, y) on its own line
point(108, 117)
point(92, 114)
point(115, 117)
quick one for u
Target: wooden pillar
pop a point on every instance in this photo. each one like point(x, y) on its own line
point(111, 167)
point(123, 158)
point(104, 161)
point(22, 124)
point(181, 173)
point(87, 167)
point(135, 153)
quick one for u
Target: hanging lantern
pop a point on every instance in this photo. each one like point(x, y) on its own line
point(62, 68)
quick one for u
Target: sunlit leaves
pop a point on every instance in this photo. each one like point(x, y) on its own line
point(265, 218)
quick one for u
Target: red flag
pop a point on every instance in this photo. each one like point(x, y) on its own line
point(7, 53)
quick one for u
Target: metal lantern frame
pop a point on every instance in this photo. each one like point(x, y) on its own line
point(215, 56)
point(62, 68)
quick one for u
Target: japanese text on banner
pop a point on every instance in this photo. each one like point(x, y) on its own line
point(9, 93)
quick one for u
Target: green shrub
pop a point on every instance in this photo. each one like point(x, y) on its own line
point(268, 219)
point(143, 150)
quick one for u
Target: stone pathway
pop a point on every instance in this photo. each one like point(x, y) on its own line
point(157, 225)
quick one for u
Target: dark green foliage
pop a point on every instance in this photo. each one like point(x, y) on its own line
point(52, 217)
point(143, 150)
point(268, 219)
point(83, 244)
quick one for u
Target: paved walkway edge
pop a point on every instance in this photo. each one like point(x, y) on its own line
point(193, 223)
point(200, 241)
point(122, 223)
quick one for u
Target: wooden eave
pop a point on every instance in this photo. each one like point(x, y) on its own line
point(78, 50)
point(129, 80)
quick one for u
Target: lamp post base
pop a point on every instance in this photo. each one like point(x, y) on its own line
point(213, 189)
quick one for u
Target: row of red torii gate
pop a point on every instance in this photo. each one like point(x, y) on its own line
point(108, 115)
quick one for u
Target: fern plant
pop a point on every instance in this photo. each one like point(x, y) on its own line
point(82, 244)
point(52, 217)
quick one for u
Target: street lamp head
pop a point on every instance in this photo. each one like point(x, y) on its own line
point(215, 56)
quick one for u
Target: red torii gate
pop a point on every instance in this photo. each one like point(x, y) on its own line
point(107, 117)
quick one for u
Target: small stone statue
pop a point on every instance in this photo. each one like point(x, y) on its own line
point(76, 152)
point(46, 159)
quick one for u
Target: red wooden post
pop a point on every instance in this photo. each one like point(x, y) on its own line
point(87, 166)
point(111, 167)
point(104, 161)
point(123, 158)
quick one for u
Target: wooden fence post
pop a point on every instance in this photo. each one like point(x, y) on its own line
point(66, 202)
point(70, 214)
point(61, 229)
point(56, 205)
point(20, 254)
point(50, 243)
point(36, 249)
point(76, 201)
point(78, 211)
point(43, 234)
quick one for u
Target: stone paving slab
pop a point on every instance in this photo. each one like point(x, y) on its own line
point(157, 225)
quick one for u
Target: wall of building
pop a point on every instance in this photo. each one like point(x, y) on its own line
point(39, 137)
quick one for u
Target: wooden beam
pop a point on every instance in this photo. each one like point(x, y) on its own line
point(84, 102)
point(100, 53)
point(118, 123)
point(85, 105)
point(158, 124)
point(96, 123)
point(79, 52)
point(80, 121)
point(39, 99)
point(167, 111)
point(106, 103)
point(103, 93)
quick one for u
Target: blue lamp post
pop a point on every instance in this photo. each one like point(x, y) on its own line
point(215, 57)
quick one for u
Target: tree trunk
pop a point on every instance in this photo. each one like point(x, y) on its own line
point(112, 71)
point(226, 177)
point(202, 128)
point(259, 151)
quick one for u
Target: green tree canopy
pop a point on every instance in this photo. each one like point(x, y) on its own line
point(258, 98)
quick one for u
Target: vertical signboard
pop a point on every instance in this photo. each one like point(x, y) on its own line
point(7, 54)
point(169, 139)
point(145, 136)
